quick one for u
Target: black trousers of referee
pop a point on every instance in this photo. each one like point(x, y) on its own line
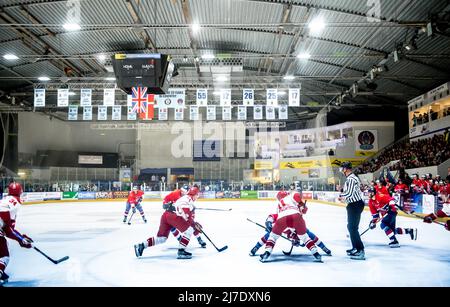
point(354, 211)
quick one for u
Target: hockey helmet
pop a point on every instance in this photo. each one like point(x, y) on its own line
point(184, 189)
point(135, 188)
point(193, 191)
point(14, 189)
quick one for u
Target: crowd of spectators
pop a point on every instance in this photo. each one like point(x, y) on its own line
point(424, 118)
point(415, 154)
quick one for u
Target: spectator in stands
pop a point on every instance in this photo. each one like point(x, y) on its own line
point(414, 120)
point(331, 152)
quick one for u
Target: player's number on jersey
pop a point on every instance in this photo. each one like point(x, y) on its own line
point(201, 95)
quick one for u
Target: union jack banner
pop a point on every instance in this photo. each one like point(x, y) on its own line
point(139, 100)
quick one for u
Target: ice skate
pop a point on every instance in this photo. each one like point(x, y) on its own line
point(201, 242)
point(358, 255)
point(265, 257)
point(139, 249)
point(394, 244)
point(317, 257)
point(183, 254)
point(326, 250)
point(350, 251)
point(413, 233)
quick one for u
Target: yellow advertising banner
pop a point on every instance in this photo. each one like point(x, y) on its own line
point(366, 154)
point(318, 163)
point(263, 164)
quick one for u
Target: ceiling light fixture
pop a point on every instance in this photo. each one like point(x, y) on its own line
point(71, 26)
point(44, 78)
point(304, 56)
point(10, 57)
point(316, 25)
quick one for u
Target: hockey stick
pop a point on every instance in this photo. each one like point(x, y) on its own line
point(286, 238)
point(218, 249)
point(213, 209)
point(132, 214)
point(41, 252)
point(52, 260)
point(364, 231)
point(418, 216)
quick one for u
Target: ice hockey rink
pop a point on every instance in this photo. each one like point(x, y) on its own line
point(101, 251)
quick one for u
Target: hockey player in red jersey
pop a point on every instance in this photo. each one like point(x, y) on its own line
point(134, 201)
point(400, 187)
point(8, 215)
point(290, 210)
point(382, 207)
point(182, 219)
point(168, 202)
point(272, 218)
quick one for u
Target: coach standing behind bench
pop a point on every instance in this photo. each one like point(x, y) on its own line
point(355, 206)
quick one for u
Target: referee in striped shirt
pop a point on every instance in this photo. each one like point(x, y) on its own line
point(352, 195)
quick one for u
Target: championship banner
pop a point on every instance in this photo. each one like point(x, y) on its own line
point(193, 114)
point(211, 113)
point(202, 97)
point(109, 96)
point(39, 97)
point(63, 97)
point(283, 112)
point(272, 97)
point(270, 113)
point(242, 113)
point(294, 97)
point(257, 112)
point(226, 113)
point(179, 113)
point(248, 97)
point(87, 113)
point(85, 97)
point(73, 113)
point(366, 143)
point(131, 115)
point(225, 98)
point(174, 98)
point(163, 113)
point(102, 113)
point(116, 112)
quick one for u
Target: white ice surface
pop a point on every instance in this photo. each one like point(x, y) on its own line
point(101, 251)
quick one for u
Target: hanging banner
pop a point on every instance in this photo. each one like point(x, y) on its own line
point(129, 100)
point(366, 143)
point(109, 95)
point(174, 98)
point(272, 97)
point(202, 97)
point(63, 97)
point(85, 97)
point(226, 113)
point(257, 112)
point(39, 97)
point(211, 113)
point(149, 108)
point(294, 97)
point(283, 112)
point(87, 113)
point(116, 112)
point(163, 113)
point(179, 113)
point(242, 113)
point(270, 113)
point(102, 113)
point(73, 113)
point(193, 113)
point(225, 98)
point(248, 97)
point(131, 115)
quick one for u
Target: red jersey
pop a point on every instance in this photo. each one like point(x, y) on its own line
point(172, 197)
point(383, 190)
point(8, 215)
point(135, 196)
point(401, 188)
point(381, 205)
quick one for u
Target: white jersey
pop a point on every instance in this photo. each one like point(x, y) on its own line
point(183, 203)
point(9, 204)
point(289, 205)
